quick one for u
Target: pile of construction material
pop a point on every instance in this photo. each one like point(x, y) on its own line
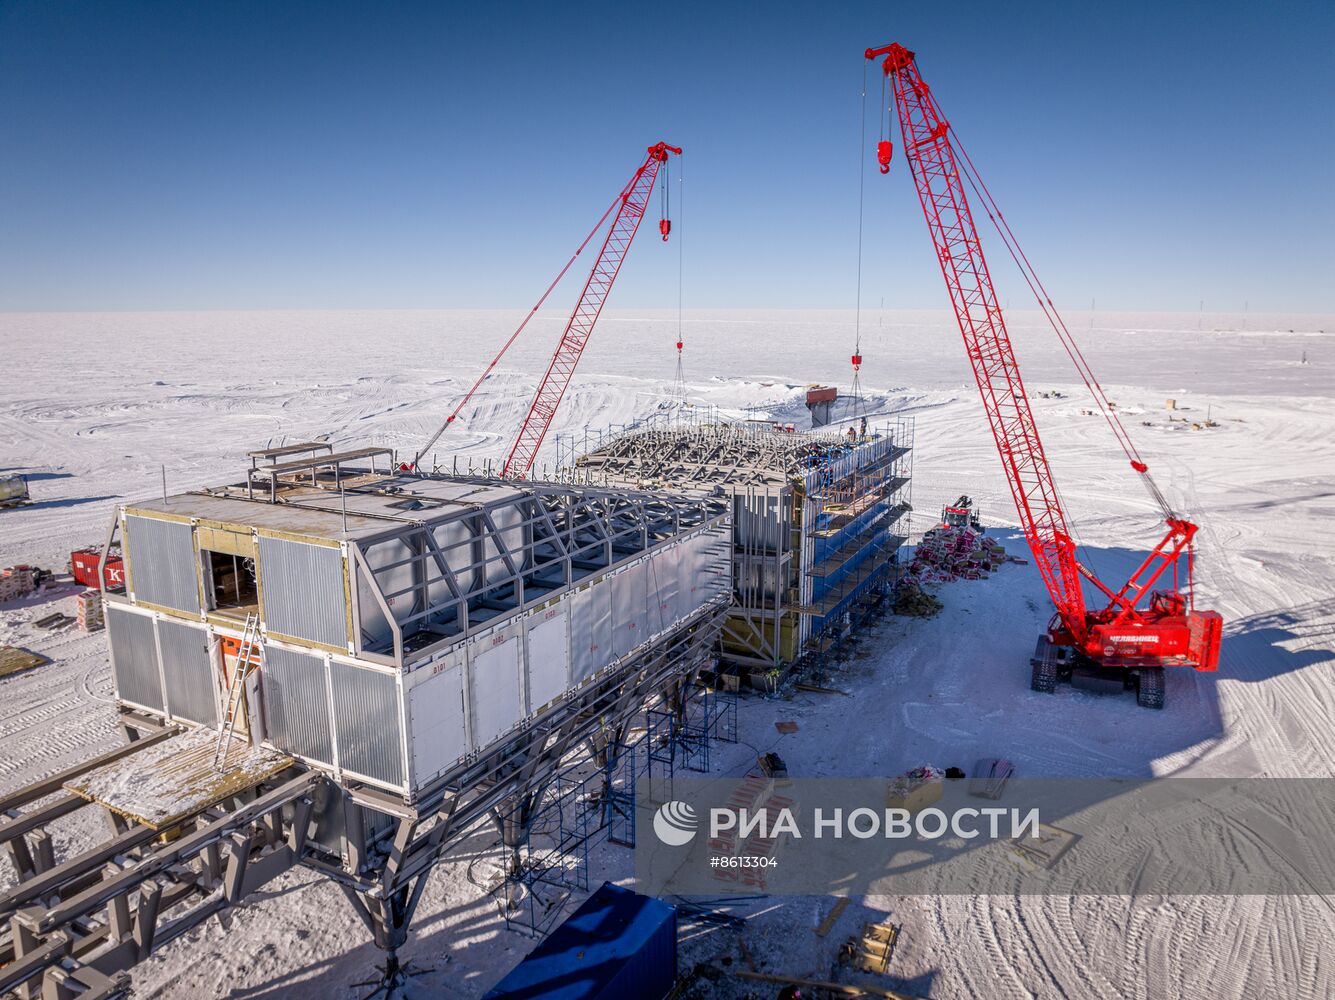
point(913, 601)
point(17, 582)
point(947, 554)
point(91, 618)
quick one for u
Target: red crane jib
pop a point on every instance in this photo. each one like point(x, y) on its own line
point(634, 201)
point(1165, 631)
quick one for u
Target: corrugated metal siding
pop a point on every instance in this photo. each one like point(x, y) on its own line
point(296, 704)
point(302, 587)
point(134, 657)
point(761, 521)
point(163, 562)
point(188, 672)
point(366, 717)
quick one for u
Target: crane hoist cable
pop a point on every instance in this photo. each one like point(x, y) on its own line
point(472, 390)
point(633, 203)
point(679, 383)
point(856, 358)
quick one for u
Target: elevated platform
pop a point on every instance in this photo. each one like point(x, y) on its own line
point(169, 781)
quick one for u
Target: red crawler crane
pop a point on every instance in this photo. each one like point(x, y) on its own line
point(1123, 639)
point(630, 205)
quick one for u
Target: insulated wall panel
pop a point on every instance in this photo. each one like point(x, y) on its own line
point(134, 657)
point(296, 704)
point(303, 592)
point(664, 588)
point(187, 669)
point(630, 607)
point(494, 686)
point(590, 631)
point(366, 721)
point(548, 655)
point(163, 562)
point(436, 707)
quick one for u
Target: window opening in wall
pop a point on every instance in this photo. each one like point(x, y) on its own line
point(230, 582)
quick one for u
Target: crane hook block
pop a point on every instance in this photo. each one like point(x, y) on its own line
point(857, 361)
point(679, 345)
point(885, 149)
point(665, 227)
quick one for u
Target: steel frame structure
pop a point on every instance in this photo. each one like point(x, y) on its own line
point(75, 926)
point(806, 475)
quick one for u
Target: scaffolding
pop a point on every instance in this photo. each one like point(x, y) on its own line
point(590, 800)
point(818, 519)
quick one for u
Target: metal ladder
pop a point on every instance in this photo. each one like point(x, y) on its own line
point(251, 654)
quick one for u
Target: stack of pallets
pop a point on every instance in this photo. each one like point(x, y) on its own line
point(16, 582)
point(91, 618)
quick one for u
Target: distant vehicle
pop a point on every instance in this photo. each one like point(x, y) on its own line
point(961, 514)
point(13, 490)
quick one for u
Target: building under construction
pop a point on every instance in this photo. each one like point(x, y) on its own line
point(335, 667)
point(817, 518)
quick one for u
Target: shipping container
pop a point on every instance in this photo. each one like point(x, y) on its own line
point(83, 566)
point(617, 945)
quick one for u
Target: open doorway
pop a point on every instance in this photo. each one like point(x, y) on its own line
point(230, 582)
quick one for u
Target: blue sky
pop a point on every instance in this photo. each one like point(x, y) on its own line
point(214, 155)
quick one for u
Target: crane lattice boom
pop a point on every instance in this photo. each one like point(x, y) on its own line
point(1123, 633)
point(552, 388)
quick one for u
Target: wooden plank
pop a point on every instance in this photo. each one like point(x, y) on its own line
point(46, 786)
point(817, 689)
point(840, 905)
point(177, 778)
point(15, 661)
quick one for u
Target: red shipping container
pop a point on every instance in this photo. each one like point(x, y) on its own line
point(83, 566)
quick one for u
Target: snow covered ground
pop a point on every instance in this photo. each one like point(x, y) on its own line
point(95, 406)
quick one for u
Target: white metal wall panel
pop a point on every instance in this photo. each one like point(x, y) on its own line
point(295, 695)
point(630, 607)
point(548, 655)
point(590, 631)
point(303, 592)
point(366, 721)
point(436, 708)
point(664, 588)
point(187, 668)
point(493, 683)
point(163, 562)
point(709, 569)
point(134, 657)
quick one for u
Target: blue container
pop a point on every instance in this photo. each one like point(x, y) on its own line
point(617, 945)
